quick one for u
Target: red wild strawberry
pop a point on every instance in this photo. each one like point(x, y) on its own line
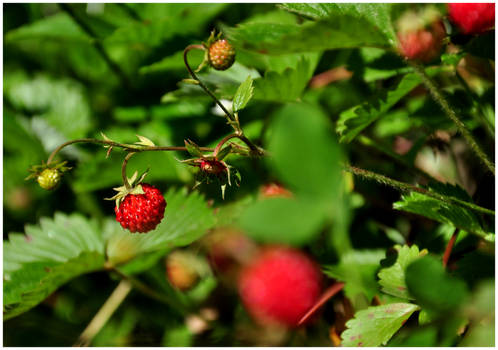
point(420, 35)
point(141, 212)
point(221, 55)
point(280, 286)
point(214, 167)
point(472, 18)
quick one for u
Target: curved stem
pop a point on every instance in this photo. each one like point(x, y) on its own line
point(125, 146)
point(407, 187)
point(241, 137)
point(123, 170)
point(450, 113)
point(204, 87)
point(449, 247)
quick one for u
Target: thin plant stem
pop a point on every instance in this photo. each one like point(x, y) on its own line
point(123, 170)
point(449, 247)
point(124, 146)
point(104, 314)
point(146, 290)
point(450, 113)
point(329, 293)
point(97, 44)
point(229, 115)
point(404, 187)
point(251, 146)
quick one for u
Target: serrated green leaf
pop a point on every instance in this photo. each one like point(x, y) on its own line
point(48, 256)
point(392, 278)
point(379, 15)
point(357, 269)
point(338, 31)
point(243, 94)
point(376, 325)
point(287, 86)
point(352, 121)
point(443, 212)
point(432, 287)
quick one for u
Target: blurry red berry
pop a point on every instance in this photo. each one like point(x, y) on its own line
point(473, 18)
point(422, 44)
point(280, 286)
point(273, 190)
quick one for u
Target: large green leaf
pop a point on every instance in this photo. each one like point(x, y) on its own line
point(305, 153)
point(56, 27)
point(47, 256)
point(186, 219)
point(376, 325)
point(281, 220)
point(392, 278)
point(357, 269)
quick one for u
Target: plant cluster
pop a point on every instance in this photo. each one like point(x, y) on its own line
point(331, 111)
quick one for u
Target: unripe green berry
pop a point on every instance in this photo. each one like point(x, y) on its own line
point(221, 55)
point(49, 178)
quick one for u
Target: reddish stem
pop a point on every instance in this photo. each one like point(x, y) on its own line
point(449, 247)
point(329, 293)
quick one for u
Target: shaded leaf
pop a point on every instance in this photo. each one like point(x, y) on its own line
point(432, 287)
point(392, 278)
point(357, 269)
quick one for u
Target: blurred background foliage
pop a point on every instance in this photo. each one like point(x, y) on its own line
point(328, 89)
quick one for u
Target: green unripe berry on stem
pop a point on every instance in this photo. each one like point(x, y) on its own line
point(49, 178)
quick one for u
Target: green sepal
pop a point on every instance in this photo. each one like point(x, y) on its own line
point(193, 148)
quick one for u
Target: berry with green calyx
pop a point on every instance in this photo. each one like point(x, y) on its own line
point(139, 208)
point(48, 176)
point(221, 55)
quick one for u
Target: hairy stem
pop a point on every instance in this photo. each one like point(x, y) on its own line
point(404, 187)
point(229, 115)
point(106, 311)
point(97, 44)
point(449, 247)
point(124, 146)
point(450, 113)
point(123, 170)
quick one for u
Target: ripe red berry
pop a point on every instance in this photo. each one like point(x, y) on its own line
point(221, 55)
point(49, 178)
point(141, 212)
point(214, 167)
point(422, 44)
point(472, 18)
point(280, 286)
